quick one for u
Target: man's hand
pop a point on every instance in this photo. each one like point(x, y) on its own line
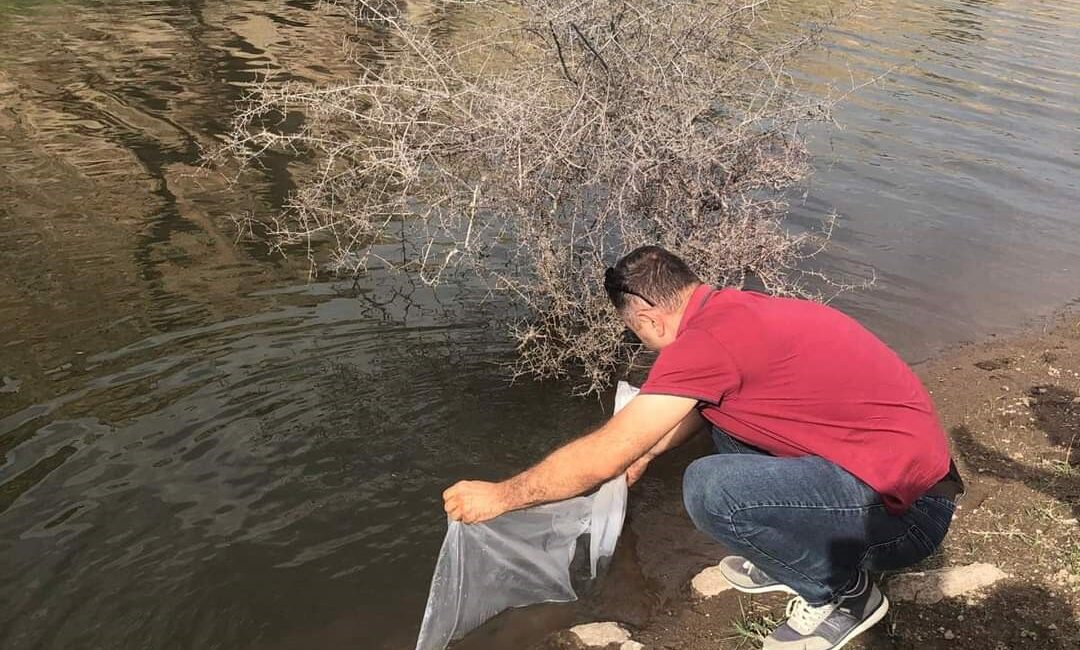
point(634, 472)
point(471, 502)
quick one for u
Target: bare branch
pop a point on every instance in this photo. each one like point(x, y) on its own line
point(533, 162)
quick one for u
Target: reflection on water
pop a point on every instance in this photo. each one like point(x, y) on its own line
point(198, 450)
point(228, 470)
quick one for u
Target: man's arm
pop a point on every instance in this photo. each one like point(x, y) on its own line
point(577, 466)
point(683, 431)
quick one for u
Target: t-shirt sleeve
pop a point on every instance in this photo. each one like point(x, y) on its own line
point(695, 365)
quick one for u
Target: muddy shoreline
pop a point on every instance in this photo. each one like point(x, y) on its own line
point(1011, 407)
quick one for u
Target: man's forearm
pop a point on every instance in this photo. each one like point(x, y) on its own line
point(688, 428)
point(566, 472)
point(587, 462)
point(575, 467)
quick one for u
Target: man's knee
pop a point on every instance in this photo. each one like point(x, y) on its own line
point(703, 497)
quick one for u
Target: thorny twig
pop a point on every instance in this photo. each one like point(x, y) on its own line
point(686, 134)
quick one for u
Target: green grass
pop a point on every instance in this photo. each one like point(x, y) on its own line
point(1074, 558)
point(755, 622)
point(1061, 467)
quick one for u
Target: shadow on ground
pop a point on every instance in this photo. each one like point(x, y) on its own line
point(1011, 617)
point(1058, 416)
point(1015, 614)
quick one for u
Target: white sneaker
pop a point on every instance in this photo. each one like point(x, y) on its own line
point(832, 625)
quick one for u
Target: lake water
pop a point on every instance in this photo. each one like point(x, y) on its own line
point(201, 449)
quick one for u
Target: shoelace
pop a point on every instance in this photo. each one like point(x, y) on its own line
point(804, 618)
point(754, 573)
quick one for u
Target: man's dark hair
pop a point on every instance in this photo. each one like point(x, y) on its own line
point(651, 273)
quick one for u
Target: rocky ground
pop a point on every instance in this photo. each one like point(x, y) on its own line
point(1012, 411)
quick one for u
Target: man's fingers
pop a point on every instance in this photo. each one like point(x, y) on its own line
point(459, 514)
point(634, 472)
point(472, 502)
point(452, 504)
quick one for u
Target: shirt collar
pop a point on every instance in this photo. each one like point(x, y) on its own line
point(694, 305)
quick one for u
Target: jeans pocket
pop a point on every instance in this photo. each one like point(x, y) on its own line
point(923, 542)
point(908, 549)
point(936, 515)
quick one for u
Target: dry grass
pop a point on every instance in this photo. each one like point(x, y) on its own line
point(565, 134)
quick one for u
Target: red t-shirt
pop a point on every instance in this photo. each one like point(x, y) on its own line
point(795, 378)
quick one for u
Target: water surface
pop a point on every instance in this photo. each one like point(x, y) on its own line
point(201, 449)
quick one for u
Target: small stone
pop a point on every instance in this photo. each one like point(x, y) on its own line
point(9, 385)
point(928, 587)
point(709, 583)
point(631, 645)
point(598, 635)
point(949, 635)
point(1076, 400)
point(1069, 522)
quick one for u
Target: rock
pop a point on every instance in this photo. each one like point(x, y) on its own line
point(631, 645)
point(949, 635)
point(598, 635)
point(927, 587)
point(709, 583)
point(9, 385)
point(994, 364)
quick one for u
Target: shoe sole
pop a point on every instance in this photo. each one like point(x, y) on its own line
point(779, 588)
point(870, 622)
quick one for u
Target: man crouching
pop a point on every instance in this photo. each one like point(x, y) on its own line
point(830, 458)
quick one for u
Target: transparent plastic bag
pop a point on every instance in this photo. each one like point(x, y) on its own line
point(520, 558)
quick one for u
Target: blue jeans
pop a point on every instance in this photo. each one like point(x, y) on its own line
point(805, 521)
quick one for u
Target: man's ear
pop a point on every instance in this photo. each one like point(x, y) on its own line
point(650, 316)
point(660, 325)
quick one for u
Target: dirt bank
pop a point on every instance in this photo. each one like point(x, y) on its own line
point(1012, 411)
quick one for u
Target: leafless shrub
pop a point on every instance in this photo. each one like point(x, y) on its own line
point(536, 152)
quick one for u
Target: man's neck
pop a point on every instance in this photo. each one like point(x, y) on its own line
point(684, 304)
